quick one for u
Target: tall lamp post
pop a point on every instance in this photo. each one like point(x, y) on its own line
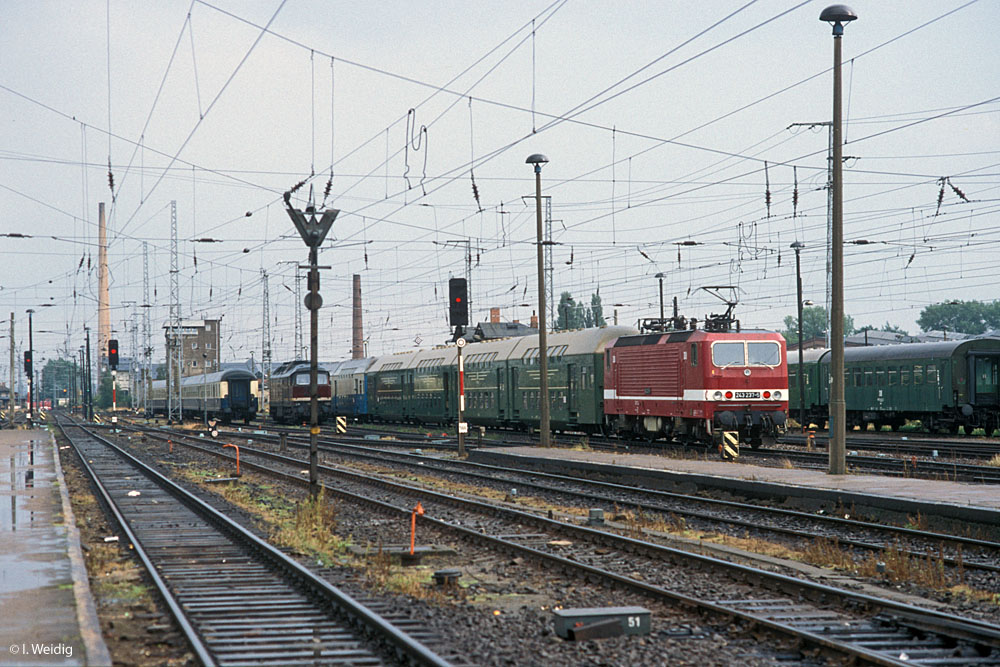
point(537, 159)
point(313, 232)
point(31, 371)
point(838, 15)
point(797, 247)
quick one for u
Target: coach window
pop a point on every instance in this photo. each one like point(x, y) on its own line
point(918, 374)
point(868, 378)
point(932, 374)
point(857, 378)
point(880, 377)
point(904, 376)
point(893, 377)
point(694, 354)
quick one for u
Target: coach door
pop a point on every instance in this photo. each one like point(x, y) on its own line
point(572, 386)
point(501, 399)
point(515, 394)
point(985, 388)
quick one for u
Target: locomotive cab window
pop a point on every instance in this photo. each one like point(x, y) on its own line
point(302, 378)
point(746, 353)
point(728, 354)
point(694, 354)
point(763, 353)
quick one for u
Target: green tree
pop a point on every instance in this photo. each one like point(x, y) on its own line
point(971, 317)
point(597, 310)
point(103, 398)
point(891, 328)
point(574, 315)
point(566, 312)
point(55, 380)
point(813, 324)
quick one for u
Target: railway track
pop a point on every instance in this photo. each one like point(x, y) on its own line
point(905, 445)
point(954, 551)
point(237, 599)
point(906, 466)
point(827, 619)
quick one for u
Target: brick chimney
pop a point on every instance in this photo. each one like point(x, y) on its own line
point(494, 316)
point(534, 320)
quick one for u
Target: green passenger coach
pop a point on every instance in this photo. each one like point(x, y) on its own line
point(948, 385)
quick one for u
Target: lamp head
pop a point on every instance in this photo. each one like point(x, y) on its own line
point(538, 160)
point(798, 245)
point(838, 15)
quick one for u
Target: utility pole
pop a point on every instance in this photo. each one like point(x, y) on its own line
point(313, 232)
point(299, 347)
point(147, 342)
point(31, 371)
point(81, 383)
point(204, 387)
point(265, 352)
point(537, 160)
point(13, 361)
point(829, 215)
point(89, 411)
point(175, 410)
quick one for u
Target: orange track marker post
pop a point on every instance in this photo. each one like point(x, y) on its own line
point(236, 447)
point(419, 509)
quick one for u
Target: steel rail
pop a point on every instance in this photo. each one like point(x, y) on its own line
point(943, 624)
point(442, 466)
point(358, 614)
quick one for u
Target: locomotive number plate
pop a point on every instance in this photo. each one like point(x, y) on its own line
point(747, 394)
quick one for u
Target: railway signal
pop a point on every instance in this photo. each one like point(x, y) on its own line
point(27, 363)
point(458, 300)
point(113, 354)
point(313, 232)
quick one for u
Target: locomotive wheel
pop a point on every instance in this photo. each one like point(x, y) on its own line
point(968, 429)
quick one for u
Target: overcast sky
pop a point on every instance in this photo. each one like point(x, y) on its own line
point(664, 122)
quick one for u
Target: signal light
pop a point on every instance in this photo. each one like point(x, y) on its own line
point(767, 394)
point(27, 363)
point(113, 354)
point(458, 302)
point(729, 395)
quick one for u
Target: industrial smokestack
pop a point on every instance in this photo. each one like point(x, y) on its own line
point(357, 327)
point(103, 300)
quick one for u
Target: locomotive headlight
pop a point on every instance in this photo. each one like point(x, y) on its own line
point(767, 394)
point(777, 395)
point(729, 394)
point(717, 395)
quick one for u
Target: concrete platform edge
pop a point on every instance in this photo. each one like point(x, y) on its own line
point(86, 611)
point(659, 479)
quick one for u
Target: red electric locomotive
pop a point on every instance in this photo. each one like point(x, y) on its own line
point(692, 384)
